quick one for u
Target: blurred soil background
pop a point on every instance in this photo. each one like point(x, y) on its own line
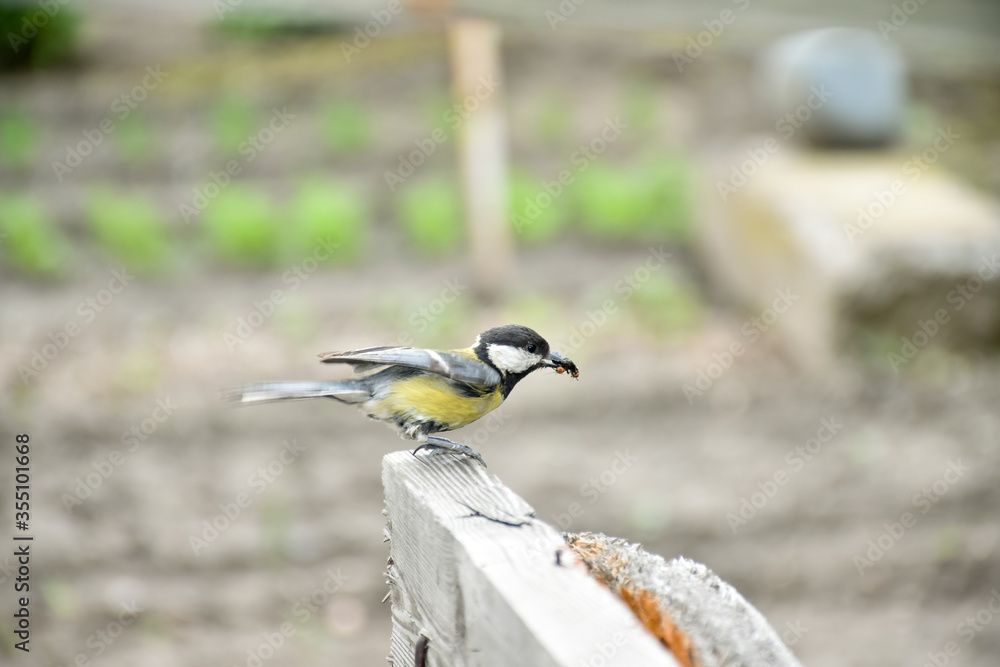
point(212, 296)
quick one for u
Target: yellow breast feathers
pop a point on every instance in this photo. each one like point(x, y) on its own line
point(439, 402)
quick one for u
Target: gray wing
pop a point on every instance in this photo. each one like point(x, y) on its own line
point(447, 364)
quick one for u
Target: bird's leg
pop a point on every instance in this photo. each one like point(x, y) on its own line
point(434, 442)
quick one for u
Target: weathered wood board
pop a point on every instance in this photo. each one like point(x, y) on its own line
point(472, 569)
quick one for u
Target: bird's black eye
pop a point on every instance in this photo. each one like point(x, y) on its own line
point(530, 347)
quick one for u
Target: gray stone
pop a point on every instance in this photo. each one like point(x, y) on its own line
point(835, 87)
point(882, 239)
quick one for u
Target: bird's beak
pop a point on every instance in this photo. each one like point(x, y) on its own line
point(561, 364)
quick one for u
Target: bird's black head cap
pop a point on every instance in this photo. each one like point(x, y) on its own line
point(514, 335)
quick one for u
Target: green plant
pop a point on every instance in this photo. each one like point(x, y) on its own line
point(264, 25)
point(250, 25)
point(440, 113)
point(873, 346)
point(241, 226)
point(330, 212)
point(274, 518)
point(36, 35)
point(130, 228)
point(535, 214)
point(667, 306)
point(61, 598)
point(649, 200)
point(553, 121)
point(141, 369)
point(640, 109)
point(17, 138)
point(430, 213)
point(611, 202)
point(346, 127)
point(233, 120)
point(670, 186)
point(29, 240)
point(134, 138)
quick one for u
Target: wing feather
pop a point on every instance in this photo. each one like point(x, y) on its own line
point(447, 364)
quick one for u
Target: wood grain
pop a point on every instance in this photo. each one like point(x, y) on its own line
point(473, 570)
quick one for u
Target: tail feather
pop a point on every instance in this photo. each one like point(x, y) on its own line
point(346, 391)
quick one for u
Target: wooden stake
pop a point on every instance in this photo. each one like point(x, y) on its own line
point(481, 142)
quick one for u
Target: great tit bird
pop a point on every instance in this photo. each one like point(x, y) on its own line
point(424, 392)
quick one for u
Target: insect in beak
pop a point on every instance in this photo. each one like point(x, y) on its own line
point(562, 365)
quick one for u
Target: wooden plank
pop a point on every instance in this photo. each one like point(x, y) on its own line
point(476, 572)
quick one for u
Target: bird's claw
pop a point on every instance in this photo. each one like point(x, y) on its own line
point(453, 447)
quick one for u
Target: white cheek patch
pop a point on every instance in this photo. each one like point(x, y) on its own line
point(511, 359)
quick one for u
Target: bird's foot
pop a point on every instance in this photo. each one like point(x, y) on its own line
point(453, 447)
